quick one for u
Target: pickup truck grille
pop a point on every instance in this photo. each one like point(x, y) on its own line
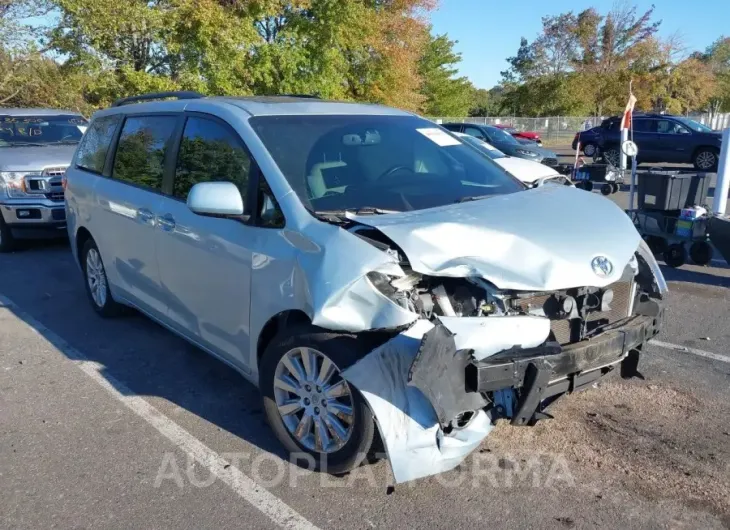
point(565, 331)
point(54, 171)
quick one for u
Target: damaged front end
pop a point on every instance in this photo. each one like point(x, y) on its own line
point(489, 313)
point(477, 354)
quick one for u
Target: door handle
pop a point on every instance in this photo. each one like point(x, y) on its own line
point(166, 222)
point(146, 216)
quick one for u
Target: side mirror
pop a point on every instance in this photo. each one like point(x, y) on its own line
point(218, 199)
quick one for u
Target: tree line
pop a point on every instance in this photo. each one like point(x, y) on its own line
point(84, 54)
point(583, 64)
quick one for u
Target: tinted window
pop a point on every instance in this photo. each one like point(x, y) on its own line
point(95, 145)
point(475, 132)
point(644, 126)
point(140, 157)
point(611, 124)
point(210, 151)
point(452, 127)
point(389, 162)
point(501, 137)
point(670, 127)
point(41, 130)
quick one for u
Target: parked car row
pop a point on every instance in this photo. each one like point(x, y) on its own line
point(659, 137)
point(368, 270)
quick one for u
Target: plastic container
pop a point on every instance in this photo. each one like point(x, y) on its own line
point(672, 190)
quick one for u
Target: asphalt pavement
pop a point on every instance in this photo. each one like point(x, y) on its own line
point(120, 424)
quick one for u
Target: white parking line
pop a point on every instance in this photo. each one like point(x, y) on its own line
point(246, 488)
point(694, 351)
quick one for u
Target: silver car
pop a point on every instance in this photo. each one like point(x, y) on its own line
point(365, 268)
point(36, 147)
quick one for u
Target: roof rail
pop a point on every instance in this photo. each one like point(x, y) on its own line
point(307, 96)
point(157, 95)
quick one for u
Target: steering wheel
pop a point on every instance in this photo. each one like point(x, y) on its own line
point(394, 170)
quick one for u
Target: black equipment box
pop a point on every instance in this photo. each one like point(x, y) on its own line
point(672, 190)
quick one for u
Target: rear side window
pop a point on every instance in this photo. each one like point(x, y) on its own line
point(210, 151)
point(644, 125)
point(140, 157)
point(95, 144)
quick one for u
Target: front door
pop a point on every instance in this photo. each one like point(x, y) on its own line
point(205, 262)
point(128, 203)
point(673, 140)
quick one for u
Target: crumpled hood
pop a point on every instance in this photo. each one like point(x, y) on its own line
point(541, 239)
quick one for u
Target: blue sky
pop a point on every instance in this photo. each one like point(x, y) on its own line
point(489, 31)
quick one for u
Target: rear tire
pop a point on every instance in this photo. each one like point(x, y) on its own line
point(588, 185)
point(607, 189)
point(97, 284)
point(700, 252)
point(7, 241)
point(675, 255)
point(343, 350)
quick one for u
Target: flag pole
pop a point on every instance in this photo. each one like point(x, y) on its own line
point(632, 186)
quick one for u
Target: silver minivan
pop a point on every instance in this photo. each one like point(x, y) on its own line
point(373, 274)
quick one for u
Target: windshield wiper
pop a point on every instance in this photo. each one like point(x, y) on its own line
point(474, 198)
point(363, 210)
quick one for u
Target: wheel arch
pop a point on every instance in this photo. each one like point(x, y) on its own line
point(275, 324)
point(702, 147)
point(82, 236)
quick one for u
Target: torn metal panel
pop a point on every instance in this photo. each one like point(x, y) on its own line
point(516, 241)
point(414, 441)
point(337, 290)
point(439, 372)
point(489, 335)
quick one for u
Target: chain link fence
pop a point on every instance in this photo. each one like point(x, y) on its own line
point(557, 130)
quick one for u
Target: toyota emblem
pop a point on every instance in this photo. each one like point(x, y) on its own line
point(602, 266)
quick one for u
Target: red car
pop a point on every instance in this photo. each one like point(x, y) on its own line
point(522, 135)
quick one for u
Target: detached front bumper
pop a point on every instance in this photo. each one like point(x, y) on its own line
point(547, 371)
point(436, 388)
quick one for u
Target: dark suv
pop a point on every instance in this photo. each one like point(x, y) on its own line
point(661, 138)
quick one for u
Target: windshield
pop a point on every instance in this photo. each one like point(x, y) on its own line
point(398, 163)
point(695, 126)
point(41, 130)
point(484, 147)
point(509, 129)
point(500, 136)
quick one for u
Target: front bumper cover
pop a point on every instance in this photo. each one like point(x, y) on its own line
point(419, 383)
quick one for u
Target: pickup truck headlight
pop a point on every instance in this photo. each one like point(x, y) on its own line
point(12, 183)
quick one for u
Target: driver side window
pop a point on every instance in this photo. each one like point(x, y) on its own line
point(476, 133)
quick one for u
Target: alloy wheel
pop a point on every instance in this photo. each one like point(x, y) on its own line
point(96, 277)
point(706, 160)
point(313, 400)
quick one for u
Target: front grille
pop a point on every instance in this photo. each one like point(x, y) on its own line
point(563, 330)
point(55, 196)
point(55, 171)
point(550, 161)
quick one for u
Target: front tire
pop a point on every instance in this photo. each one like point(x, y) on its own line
point(308, 405)
point(612, 156)
point(7, 241)
point(706, 159)
point(589, 149)
point(97, 285)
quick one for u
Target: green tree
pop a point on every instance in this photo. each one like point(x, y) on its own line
point(446, 94)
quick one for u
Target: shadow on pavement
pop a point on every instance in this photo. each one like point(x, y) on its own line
point(695, 277)
point(147, 359)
